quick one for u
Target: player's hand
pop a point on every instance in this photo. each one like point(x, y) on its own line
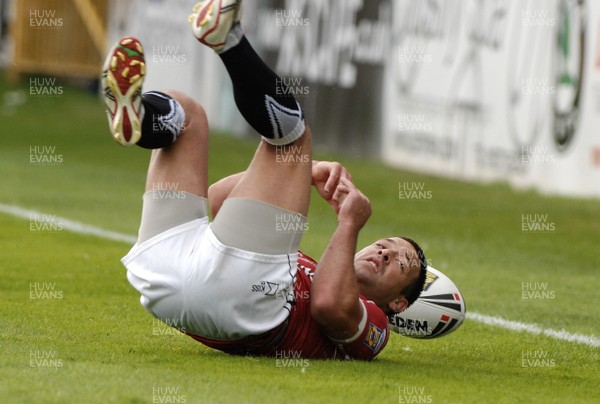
point(354, 207)
point(326, 176)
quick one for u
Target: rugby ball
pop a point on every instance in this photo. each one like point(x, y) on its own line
point(438, 311)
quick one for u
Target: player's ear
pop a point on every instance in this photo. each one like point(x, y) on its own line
point(398, 305)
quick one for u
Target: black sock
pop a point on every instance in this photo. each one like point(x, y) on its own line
point(261, 97)
point(163, 120)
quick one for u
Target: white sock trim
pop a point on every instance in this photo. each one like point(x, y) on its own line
point(290, 137)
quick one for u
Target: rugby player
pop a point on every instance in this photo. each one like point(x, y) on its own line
point(239, 284)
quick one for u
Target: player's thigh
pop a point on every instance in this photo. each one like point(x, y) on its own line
point(183, 166)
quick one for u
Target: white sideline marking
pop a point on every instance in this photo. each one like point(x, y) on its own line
point(71, 225)
point(82, 228)
point(562, 335)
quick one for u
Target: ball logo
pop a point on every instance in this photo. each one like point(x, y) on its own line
point(429, 279)
point(438, 311)
point(411, 327)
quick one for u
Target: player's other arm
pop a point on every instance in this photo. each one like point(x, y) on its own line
point(335, 303)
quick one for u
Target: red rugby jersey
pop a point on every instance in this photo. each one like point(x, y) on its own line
point(301, 336)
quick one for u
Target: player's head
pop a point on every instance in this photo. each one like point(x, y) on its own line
point(391, 272)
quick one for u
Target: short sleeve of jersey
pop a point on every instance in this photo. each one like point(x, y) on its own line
point(373, 337)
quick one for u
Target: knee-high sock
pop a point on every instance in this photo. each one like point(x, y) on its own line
point(260, 94)
point(163, 120)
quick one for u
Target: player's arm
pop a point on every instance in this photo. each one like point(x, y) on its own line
point(335, 303)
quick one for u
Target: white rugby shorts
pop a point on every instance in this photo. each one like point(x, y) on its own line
point(191, 280)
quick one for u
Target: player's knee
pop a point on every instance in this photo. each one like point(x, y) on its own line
point(194, 110)
point(197, 122)
point(195, 115)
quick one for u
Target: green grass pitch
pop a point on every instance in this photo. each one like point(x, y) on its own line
point(72, 329)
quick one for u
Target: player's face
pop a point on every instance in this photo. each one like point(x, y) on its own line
point(385, 268)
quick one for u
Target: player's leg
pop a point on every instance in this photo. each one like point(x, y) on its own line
point(265, 212)
point(183, 164)
point(177, 179)
point(280, 173)
point(171, 124)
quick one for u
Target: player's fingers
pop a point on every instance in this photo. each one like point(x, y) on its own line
point(335, 205)
point(339, 189)
point(334, 176)
point(340, 193)
point(345, 173)
point(347, 183)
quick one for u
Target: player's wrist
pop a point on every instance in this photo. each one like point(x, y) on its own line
point(349, 224)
